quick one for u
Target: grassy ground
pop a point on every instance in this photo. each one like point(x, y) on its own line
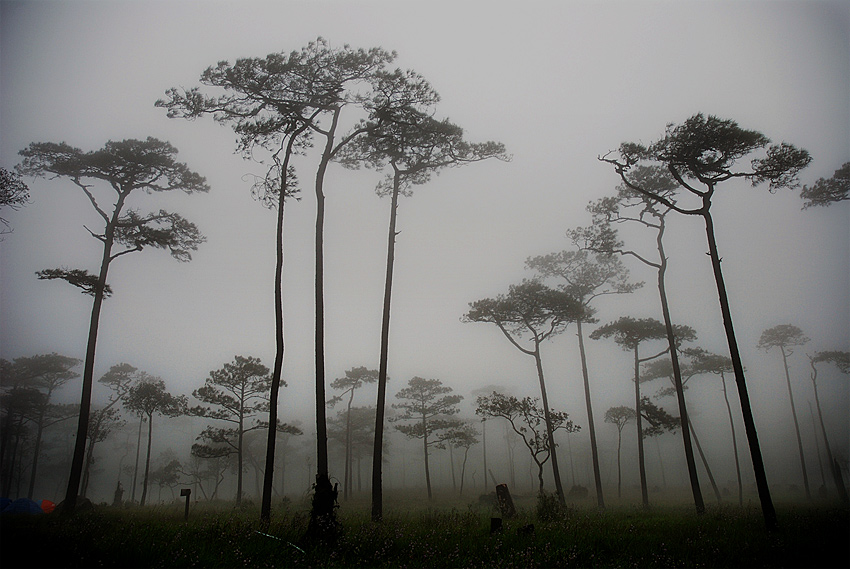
point(438, 535)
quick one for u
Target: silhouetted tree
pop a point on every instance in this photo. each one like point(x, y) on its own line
point(826, 191)
point(150, 397)
point(126, 167)
point(784, 337)
point(354, 379)
point(629, 206)
point(619, 416)
point(427, 403)
point(586, 277)
point(403, 138)
point(539, 312)
point(704, 151)
point(463, 436)
point(842, 362)
point(529, 421)
point(629, 333)
point(235, 393)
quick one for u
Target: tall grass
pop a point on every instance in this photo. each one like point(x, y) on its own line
point(411, 537)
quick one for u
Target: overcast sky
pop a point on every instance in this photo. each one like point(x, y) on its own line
point(559, 83)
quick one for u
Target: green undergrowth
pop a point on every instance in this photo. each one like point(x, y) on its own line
point(444, 537)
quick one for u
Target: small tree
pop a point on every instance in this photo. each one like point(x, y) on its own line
point(784, 337)
point(629, 333)
point(700, 154)
point(235, 393)
point(842, 361)
point(427, 403)
point(129, 167)
point(463, 436)
point(826, 191)
point(534, 310)
point(619, 416)
point(528, 420)
point(149, 398)
point(353, 380)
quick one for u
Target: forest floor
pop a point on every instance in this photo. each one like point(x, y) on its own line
point(441, 533)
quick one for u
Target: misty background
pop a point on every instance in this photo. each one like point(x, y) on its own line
point(559, 83)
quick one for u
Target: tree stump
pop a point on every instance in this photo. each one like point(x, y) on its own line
point(506, 503)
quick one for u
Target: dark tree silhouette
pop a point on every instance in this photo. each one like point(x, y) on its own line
point(150, 397)
point(619, 416)
point(528, 420)
point(700, 154)
point(353, 380)
point(126, 167)
point(842, 362)
point(629, 206)
point(587, 277)
point(427, 403)
point(629, 333)
point(403, 138)
point(539, 312)
point(826, 191)
point(784, 337)
point(235, 393)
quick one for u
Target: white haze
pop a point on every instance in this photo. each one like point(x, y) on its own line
point(559, 83)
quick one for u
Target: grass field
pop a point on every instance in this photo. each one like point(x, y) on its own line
point(440, 534)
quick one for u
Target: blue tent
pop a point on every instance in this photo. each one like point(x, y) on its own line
point(4, 502)
point(23, 506)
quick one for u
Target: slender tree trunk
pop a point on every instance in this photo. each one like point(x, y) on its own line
point(734, 442)
point(377, 450)
point(796, 424)
point(597, 475)
point(619, 468)
point(463, 469)
point(484, 448)
point(768, 510)
point(36, 451)
point(87, 468)
point(644, 492)
point(550, 433)
point(705, 464)
point(239, 456)
point(425, 449)
point(817, 447)
point(147, 461)
point(136, 467)
point(346, 482)
point(452, 465)
point(836, 474)
point(699, 503)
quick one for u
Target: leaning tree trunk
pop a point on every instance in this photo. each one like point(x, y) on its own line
point(836, 473)
point(734, 442)
point(36, 451)
point(768, 510)
point(699, 503)
point(597, 475)
point(796, 424)
point(425, 449)
point(550, 433)
point(377, 450)
point(147, 462)
point(705, 464)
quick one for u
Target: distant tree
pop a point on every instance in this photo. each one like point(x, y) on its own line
point(826, 191)
point(150, 397)
point(529, 421)
point(784, 337)
point(129, 167)
point(587, 276)
point(704, 151)
point(463, 436)
point(167, 473)
point(14, 194)
point(429, 407)
point(619, 416)
point(842, 362)
point(354, 379)
point(403, 138)
point(119, 379)
point(629, 333)
point(629, 206)
point(354, 430)
point(235, 393)
point(539, 312)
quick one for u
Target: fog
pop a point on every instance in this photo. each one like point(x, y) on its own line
point(559, 83)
